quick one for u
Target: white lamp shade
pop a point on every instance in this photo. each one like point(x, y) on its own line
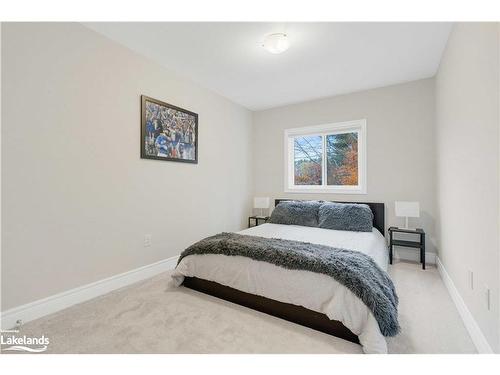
point(407, 209)
point(261, 202)
point(276, 43)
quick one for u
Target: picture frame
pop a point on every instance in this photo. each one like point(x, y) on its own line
point(168, 132)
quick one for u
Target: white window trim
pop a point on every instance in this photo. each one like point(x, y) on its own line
point(339, 127)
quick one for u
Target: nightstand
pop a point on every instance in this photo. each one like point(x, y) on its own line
point(257, 220)
point(420, 244)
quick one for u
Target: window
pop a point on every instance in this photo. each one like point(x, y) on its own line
point(326, 158)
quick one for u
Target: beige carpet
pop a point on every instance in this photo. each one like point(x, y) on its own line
point(148, 318)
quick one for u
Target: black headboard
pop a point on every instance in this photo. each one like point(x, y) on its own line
point(378, 210)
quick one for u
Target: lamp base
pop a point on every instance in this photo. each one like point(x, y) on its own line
point(406, 226)
point(261, 213)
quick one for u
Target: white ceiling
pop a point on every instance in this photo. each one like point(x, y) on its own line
point(324, 59)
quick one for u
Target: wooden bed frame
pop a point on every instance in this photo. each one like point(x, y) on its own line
point(286, 311)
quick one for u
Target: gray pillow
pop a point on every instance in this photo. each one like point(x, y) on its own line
point(303, 213)
point(346, 216)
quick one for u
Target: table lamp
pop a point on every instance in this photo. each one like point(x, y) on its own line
point(406, 210)
point(261, 203)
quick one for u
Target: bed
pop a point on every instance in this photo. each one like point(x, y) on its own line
point(329, 306)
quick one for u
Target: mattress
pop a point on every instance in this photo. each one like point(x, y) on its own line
point(317, 292)
point(371, 243)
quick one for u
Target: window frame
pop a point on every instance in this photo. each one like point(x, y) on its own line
point(358, 126)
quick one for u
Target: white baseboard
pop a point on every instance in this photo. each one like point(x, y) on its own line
point(470, 323)
point(52, 304)
point(413, 255)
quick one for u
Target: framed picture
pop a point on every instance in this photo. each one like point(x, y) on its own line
point(168, 132)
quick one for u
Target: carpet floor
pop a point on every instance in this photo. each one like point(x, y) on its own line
point(148, 317)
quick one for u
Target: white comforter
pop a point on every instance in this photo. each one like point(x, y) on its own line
point(311, 290)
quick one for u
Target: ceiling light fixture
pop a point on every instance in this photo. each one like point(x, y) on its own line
point(276, 43)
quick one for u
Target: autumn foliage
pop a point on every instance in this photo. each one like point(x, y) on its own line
point(341, 159)
point(343, 163)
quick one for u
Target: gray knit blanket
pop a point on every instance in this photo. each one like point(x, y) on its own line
point(356, 271)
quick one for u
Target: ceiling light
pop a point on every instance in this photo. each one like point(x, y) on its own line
point(276, 43)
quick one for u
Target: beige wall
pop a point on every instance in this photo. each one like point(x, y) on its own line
point(400, 146)
point(77, 199)
point(467, 122)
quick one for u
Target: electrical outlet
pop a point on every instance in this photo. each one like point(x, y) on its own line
point(147, 240)
point(487, 295)
point(471, 280)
